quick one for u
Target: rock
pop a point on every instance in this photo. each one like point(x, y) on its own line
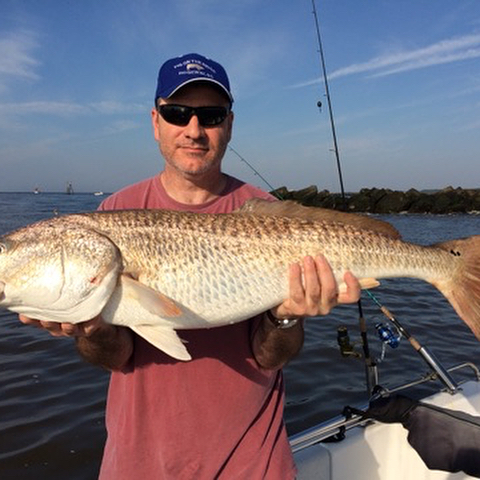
point(424, 203)
point(384, 200)
point(394, 202)
point(321, 199)
point(281, 193)
point(305, 195)
point(451, 201)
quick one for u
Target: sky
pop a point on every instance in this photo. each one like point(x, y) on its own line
point(77, 81)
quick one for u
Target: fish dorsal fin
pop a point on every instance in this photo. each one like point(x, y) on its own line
point(289, 208)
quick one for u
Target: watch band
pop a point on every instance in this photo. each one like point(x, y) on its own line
point(281, 323)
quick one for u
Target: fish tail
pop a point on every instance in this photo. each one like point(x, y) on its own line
point(462, 290)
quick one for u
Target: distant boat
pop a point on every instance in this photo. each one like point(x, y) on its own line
point(36, 191)
point(69, 188)
point(98, 194)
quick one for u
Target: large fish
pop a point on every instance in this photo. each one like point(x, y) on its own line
point(159, 271)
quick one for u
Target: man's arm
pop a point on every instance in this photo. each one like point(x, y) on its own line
point(109, 347)
point(315, 294)
point(273, 347)
point(101, 344)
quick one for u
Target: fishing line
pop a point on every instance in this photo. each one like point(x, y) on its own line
point(255, 171)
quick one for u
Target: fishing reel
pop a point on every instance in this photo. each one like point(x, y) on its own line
point(388, 335)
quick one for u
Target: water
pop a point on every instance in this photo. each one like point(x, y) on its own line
point(52, 404)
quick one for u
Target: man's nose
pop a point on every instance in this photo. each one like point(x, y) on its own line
point(193, 129)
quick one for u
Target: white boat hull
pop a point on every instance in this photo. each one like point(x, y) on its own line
point(378, 451)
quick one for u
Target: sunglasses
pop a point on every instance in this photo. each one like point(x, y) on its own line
point(180, 115)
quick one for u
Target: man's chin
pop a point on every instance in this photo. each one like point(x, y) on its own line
point(195, 170)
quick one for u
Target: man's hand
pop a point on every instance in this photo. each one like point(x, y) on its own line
point(99, 343)
point(317, 293)
point(82, 329)
point(311, 294)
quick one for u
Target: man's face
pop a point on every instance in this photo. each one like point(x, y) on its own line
point(193, 150)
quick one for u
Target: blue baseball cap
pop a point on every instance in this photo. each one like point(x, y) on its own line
point(192, 67)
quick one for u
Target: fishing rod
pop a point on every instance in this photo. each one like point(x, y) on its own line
point(388, 337)
point(329, 103)
point(424, 352)
point(370, 364)
point(332, 121)
point(371, 370)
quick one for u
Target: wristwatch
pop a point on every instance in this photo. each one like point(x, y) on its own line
point(281, 323)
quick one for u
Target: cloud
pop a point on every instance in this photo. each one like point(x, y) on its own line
point(18, 57)
point(43, 107)
point(11, 113)
point(108, 107)
point(121, 126)
point(445, 51)
point(71, 108)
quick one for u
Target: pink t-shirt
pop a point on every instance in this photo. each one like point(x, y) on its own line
point(219, 416)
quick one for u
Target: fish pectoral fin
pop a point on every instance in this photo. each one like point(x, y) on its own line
point(365, 284)
point(165, 339)
point(152, 300)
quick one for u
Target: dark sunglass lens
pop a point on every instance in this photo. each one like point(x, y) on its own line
point(211, 116)
point(180, 115)
point(176, 114)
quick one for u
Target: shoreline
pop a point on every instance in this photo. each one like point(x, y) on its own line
point(385, 200)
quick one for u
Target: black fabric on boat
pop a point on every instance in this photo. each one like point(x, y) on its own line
point(445, 439)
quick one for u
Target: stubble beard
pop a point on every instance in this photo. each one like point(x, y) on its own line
point(202, 165)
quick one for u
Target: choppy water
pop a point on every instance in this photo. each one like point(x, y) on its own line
point(52, 404)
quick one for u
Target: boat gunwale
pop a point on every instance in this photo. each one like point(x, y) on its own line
point(336, 427)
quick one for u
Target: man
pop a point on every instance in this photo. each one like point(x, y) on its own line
point(221, 414)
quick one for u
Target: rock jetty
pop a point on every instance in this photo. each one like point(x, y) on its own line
point(384, 200)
